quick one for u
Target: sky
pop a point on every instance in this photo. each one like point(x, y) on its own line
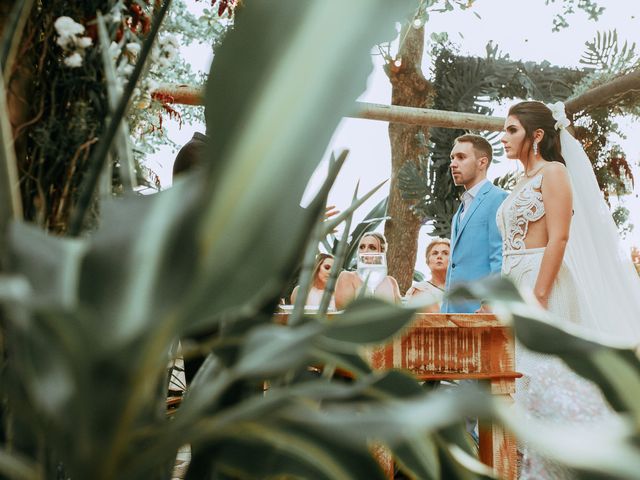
point(521, 28)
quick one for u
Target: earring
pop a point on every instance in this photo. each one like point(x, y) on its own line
point(535, 149)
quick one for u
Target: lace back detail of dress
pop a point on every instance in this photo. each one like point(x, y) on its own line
point(522, 207)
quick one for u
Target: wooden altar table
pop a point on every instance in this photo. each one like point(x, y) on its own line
point(458, 347)
point(461, 347)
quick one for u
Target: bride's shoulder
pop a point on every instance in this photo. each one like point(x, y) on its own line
point(555, 166)
point(555, 174)
point(554, 170)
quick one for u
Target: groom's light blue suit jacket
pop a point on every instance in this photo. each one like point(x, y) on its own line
point(476, 244)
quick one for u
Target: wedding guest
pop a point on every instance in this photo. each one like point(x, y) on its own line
point(190, 154)
point(437, 255)
point(349, 284)
point(189, 158)
point(321, 272)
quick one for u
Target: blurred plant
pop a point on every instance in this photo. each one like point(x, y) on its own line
point(88, 322)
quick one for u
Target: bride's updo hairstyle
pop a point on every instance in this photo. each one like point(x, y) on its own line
point(535, 115)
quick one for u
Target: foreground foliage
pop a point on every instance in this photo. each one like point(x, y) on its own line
point(89, 322)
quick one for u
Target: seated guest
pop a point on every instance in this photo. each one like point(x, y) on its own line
point(321, 272)
point(438, 261)
point(349, 284)
point(190, 154)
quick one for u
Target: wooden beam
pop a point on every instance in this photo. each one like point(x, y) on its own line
point(182, 94)
point(427, 117)
point(190, 95)
point(608, 94)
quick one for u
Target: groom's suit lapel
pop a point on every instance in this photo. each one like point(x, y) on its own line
point(454, 226)
point(482, 194)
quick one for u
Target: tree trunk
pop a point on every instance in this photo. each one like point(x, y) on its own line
point(409, 88)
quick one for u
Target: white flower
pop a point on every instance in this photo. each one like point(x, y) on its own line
point(74, 60)
point(133, 48)
point(84, 42)
point(125, 69)
point(67, 27)
point(169, 41)
point(116, 13)
point(557, 110)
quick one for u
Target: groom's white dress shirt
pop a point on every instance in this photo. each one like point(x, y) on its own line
point(469, 195)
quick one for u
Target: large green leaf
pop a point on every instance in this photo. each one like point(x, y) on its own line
point(291, 450)
point(272, 349)
point(368, 320)
point(276, 92)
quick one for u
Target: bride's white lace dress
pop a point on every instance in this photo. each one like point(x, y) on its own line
point(548, 390)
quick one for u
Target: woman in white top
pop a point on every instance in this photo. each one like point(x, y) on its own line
point(321, 271)
point(437, 255)
point(349, 283)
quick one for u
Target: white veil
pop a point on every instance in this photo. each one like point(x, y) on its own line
point(606, 278)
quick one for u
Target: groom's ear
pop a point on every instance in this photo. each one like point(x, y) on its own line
point(484, 162)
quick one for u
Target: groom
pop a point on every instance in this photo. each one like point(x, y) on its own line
point(476, 244)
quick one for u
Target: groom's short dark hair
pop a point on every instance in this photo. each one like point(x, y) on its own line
point(480, 144)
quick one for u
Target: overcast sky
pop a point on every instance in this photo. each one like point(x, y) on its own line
point(521, 28)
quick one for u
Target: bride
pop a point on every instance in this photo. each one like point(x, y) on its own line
point(556, 229)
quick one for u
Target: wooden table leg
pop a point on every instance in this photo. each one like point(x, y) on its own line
point(498, 450)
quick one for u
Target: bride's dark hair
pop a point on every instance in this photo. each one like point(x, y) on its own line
point(535, 115)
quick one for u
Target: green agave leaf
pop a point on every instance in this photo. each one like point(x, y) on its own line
point(273, 349)
point(276, 92)
point(10, 201)
point(140, 264)
point(50, 264)
point(292, 450)
point(418, 456)
point(15, 467)
point(369, 320)
point(392, 422)
point(459, 454)
point(493, 289)
point(326, 351)
point(394, 384)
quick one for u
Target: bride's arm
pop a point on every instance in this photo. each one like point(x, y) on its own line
point(558, 206)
